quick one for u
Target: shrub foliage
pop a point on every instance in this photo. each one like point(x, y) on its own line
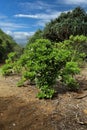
point(43, 62)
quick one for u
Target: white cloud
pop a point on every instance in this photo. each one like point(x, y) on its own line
point(20, 37)
point(76, 2)
point(42, 22)
point(40, 16)
point(40, 5)
point(11, 26)
point(26, 16)
point(12, 29)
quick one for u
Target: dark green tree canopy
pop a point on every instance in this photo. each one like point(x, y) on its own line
point(70, 23)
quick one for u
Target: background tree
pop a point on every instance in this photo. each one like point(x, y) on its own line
point(37, 35)
point(7, 45)
point(70, 23)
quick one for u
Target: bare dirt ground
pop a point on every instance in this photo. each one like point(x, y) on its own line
point(21, 110)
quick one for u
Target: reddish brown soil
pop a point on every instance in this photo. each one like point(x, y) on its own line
point(21, 110)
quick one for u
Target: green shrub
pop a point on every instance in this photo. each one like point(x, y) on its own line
point(11, 65)
point(46, 92)
point(6, 69)
point(21, 82)
point(43, 62)
point(68, 73)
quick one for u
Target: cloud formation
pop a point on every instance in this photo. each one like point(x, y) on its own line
point(75, 2)
point(42, 18)
point(11, 28)
point(37, 5)
point(20, 37)
point(40, 15)
point(11, 25)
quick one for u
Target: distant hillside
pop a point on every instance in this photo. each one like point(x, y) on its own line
point(7, 45)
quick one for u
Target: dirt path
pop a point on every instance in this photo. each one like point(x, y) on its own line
point(21, 110)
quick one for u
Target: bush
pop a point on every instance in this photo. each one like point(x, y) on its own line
point(46, 92)
point(70, 69)
point(43, 62)
point(7, 69)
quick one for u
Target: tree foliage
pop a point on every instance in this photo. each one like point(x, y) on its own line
point(37, 35)
point(70, 23)
point(7, 45)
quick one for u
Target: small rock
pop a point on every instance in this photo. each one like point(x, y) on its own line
point(1, 114)
point(14, 124)
point(85, 111)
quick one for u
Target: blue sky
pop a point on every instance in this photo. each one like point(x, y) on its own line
point(21, 18)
